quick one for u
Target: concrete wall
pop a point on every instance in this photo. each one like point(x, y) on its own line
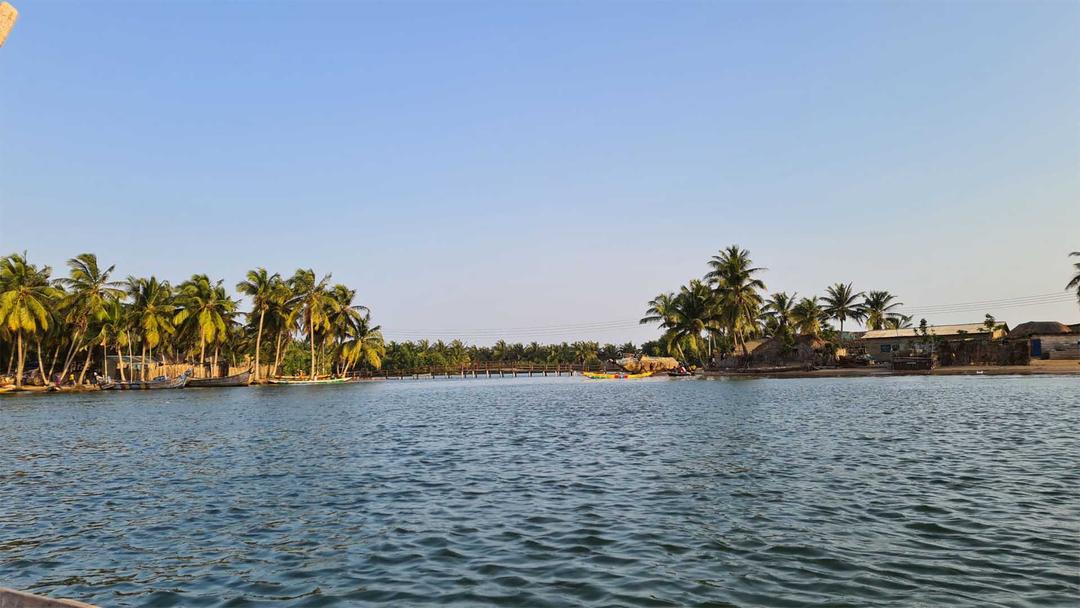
point(1060, 346)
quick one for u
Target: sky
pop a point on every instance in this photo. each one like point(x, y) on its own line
point(540, 170)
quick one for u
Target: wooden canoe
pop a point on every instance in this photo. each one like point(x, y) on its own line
point(242, 379)
point(615, 376)
point(299, 382)
point(150, 385)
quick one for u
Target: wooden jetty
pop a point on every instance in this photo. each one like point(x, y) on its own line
point(494, 369)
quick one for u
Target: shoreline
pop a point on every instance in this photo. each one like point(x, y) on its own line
point(1058, 367)
point(1052, 367)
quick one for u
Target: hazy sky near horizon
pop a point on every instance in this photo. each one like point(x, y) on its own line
point(472, 167)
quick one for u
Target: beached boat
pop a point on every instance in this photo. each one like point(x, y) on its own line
point(150, 385)
point(242, 379)
point(302, 382)
point(678, 374)
point(614, 376)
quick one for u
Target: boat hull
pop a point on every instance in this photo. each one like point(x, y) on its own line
point(307, 382)
point(151, 385)
point(235, 380)
point(606, 376)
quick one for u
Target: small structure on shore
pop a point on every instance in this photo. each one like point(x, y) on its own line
point(647, 364)
point(797, 351)
point(1047, 339)
point(884, 344)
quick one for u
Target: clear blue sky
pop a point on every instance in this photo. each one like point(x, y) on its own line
point(476, 166)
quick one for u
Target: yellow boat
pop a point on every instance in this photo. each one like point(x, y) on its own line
point(615, 376)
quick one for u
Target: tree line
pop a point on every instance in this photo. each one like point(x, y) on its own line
point(729, 306)
point(63, 323)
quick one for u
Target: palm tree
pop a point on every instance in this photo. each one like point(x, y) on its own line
point(88, 291)
point(898, 322)
point(363, 343)
point(778, 311)
point(737, 292)
point(203, 310)
point(281, 320)
point(261, 287)
point(878, 307)
point(312, 305)
point(659, 308)
point(691, 316)
point(842, 303)
point(152, 313)
point(807, 316)
point(113, 329)
point(25, 295)
point(1075, 282)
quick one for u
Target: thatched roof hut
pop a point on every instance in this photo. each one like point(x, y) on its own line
point(646, 363)
point(1038, 328)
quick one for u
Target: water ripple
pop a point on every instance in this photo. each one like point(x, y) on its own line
point(550, 492)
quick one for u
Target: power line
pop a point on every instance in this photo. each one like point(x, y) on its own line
point(548, 331)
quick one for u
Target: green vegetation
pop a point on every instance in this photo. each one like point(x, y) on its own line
point(71, 323)
point(728, 307)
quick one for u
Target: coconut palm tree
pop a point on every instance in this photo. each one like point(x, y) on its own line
point(659, 309)
point(807, 316)
point(203, 311)
point(738, 292)
point(898, 322)
point(362, 343)
point(312, 303)
point(89, 289)
point(261, 287)
point(878, 307)
point(113, 330)
point(152, 314)
point(1075, 282)
point(25, 299)
point(842, 303)
point(691, 317)
point(778, 312)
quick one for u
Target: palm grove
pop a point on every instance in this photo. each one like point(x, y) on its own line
point(64, 326)
point(728, 306)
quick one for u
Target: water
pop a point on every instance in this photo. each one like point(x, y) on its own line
point(550, 492)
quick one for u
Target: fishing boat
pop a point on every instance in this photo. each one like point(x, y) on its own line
point(680, 374)
point(150, 385)
point(303, 382)
point(615, 376)
point(241, 379)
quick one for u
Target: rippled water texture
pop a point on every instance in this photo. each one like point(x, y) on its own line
point(550, 492)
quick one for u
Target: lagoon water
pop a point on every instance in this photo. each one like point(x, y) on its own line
point(958, 491)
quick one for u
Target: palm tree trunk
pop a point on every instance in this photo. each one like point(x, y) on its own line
point(311, 332)
point(214, 372)
point(202, 350)
point(56, 355)
point(41, 365)
point(70, 359)
point(104, 358)
point(86, 365)
point(258, 343)
point(142, 363)
point(277, 354)
point(11, 361)
point(120, 362)
point(22, 360)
